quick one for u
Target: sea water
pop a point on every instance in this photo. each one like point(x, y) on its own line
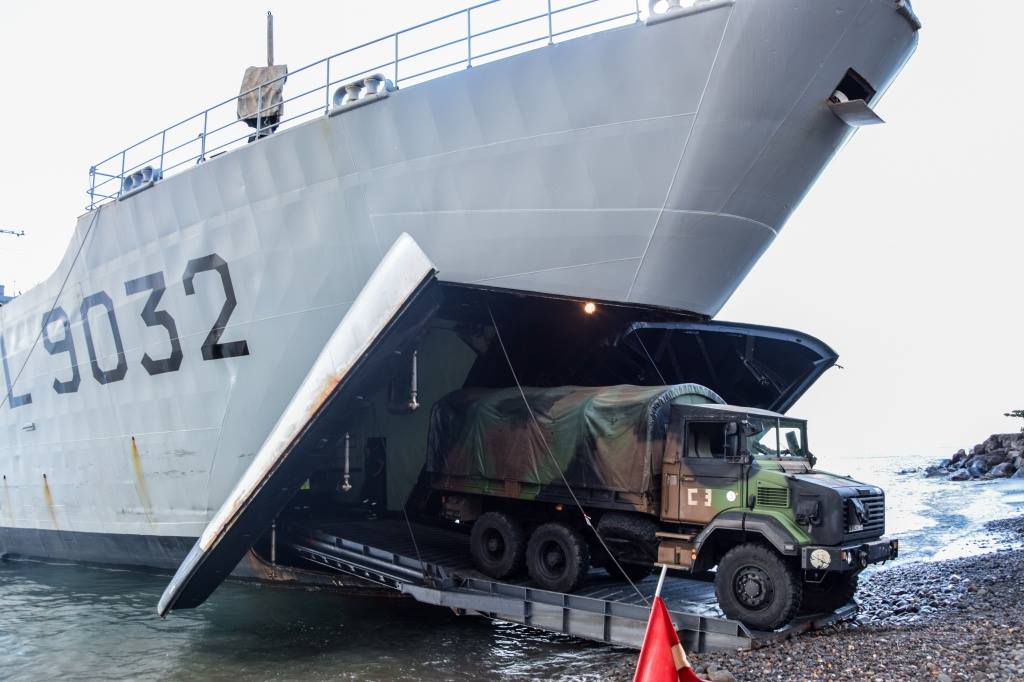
point(97, 624)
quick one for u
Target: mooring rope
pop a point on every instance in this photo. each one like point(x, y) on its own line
point(56, 300)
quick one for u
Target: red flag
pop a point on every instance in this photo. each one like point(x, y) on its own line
point(662, 658)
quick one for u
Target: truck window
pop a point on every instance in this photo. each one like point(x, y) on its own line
point(705, 440)
point(777, 438)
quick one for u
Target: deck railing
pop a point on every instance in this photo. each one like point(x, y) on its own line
point(484, 32)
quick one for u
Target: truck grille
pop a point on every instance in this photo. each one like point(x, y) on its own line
point(874, 505)
point(768, 496)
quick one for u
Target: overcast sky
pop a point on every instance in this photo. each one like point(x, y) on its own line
point(906, 257)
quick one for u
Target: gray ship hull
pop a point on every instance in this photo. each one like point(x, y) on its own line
point(649, 165)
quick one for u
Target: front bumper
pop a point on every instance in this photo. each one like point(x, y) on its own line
point(852, 557)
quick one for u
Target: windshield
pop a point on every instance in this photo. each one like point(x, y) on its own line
point(777, 438)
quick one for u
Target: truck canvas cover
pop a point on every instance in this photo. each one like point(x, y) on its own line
point(606, 438)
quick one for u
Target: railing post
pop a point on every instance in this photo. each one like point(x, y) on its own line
point(120, 179)
point(92, 187)
point(259, 112)
point(637, 10)
point(202, 136)
point(327, 89)
point(551, 32)
point(396, 59)
point(163, 146)
point(469, 38)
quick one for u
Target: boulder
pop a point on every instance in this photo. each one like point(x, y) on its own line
point(960, 475)
point(978, 449)
point(993, 442)
point(1020, 473)
point(1004, 470)
point(934, 470)
point(994, 457)
point(960, 455)
point(978, 467)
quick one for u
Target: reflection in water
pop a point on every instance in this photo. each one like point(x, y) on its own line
point(93, 624)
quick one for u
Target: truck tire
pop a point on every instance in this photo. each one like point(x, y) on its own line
point(757, 587)
point(557, 557)
point(836, 590)
point(497, 544)
point(634, 541)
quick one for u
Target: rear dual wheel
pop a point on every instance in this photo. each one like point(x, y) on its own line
point(498, 545)
point(557, 557)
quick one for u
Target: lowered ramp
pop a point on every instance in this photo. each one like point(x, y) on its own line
point(433, 566)
point(398, 300)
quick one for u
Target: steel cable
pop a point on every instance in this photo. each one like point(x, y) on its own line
point(56, 300)
point(547, 448)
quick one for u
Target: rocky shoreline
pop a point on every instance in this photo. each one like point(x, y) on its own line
point(949, 620)
point(1000, 456)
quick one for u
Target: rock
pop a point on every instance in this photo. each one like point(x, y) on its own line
point(910, 470)
point(934, 470)
point(721, 676)
point(978, 450)
point(978, 467)
point(1020, 473)
point(943, 677)
point(1004, 470)
point(960, 475)
point(960, 455)
point(993, 442)
point(995, 457)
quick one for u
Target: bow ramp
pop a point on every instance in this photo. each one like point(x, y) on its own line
point(394, 305)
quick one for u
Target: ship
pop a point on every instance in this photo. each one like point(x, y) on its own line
point(588, 183)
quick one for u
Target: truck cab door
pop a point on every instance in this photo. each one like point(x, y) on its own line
point(698, 479)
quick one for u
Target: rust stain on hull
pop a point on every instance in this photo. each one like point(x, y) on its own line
point(140, 482)
point(48, 496)
point(8, 504)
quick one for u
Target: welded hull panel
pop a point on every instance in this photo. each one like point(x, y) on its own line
point(648, 164)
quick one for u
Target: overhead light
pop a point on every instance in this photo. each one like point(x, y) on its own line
point(589, 307)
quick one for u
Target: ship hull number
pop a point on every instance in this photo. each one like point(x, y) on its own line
point(97, 311)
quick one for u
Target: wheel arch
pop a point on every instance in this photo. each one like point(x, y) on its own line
point(732, 528)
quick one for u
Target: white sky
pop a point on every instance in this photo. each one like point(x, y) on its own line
point(906, 257)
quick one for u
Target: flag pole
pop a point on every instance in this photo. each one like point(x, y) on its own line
point(661, 580)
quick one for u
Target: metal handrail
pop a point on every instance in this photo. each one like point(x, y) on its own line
point(198, 146)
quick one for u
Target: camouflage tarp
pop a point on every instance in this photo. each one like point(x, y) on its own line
point(606, 438)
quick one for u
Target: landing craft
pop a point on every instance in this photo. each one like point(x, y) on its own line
point(597, 184)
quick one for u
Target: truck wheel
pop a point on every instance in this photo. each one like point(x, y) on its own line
point(634, 541)
point(836, 590)
point(557, 557)
point(756, 586)
point(497, 544)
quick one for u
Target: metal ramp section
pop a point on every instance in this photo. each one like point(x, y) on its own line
point(433, 566)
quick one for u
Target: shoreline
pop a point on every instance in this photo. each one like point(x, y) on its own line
point(954, 619)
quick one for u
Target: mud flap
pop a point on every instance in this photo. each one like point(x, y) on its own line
point(397, 302)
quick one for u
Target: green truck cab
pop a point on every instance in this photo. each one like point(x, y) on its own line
point(666, 475)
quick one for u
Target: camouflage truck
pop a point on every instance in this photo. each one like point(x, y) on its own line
point(667, 475)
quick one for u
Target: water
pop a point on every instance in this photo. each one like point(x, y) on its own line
point(95, 624)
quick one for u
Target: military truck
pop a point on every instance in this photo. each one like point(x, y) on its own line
point(667, 475)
